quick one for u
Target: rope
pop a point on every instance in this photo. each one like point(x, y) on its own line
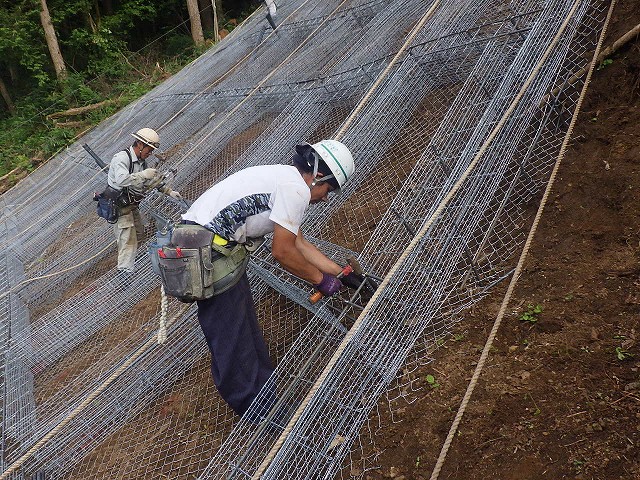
point(164, 302)
point(412, 245)
point(49, 275)
point(514, 280)
point(148, 345)
point(384, 74)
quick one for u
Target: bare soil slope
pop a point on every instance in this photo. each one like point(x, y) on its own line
point(560, 396)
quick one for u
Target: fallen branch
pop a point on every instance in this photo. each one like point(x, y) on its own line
point(604, 53)
point(73, 124)
point(80, 110)
point(7, 175)
point(619, 43)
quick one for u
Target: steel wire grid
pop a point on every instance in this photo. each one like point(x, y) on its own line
point(88, 393)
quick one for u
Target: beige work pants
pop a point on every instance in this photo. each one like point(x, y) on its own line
point(129, 230)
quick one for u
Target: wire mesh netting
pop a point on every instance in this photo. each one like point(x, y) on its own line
point(455, 111)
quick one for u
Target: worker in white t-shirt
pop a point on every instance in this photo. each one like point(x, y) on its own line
point(250, 204)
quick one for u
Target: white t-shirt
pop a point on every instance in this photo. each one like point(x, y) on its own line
point(249, 202)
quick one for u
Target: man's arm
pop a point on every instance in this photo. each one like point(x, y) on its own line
point(299, 257)
point(119, 171)
point(314, 256)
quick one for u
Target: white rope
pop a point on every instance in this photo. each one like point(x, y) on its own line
point(16, 287)
point(280, 441)
point(514, 280)
point(162, 329)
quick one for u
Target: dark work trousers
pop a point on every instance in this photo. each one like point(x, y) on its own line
point(240, 363)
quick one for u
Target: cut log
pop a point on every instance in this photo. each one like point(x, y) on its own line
point(79, 110)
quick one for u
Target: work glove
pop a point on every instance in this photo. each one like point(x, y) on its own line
point(354, 280)
point(329, 286)
point(148, 173)
point(175, 194)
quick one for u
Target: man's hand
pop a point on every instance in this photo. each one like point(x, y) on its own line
point(354, 280)
point(175, 194)
point(329, 286)
point(148, 173)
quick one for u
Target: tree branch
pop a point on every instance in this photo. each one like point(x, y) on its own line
point(79, 110)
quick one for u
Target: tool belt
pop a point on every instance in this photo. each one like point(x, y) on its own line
point(113, 203)
point(106, 208)
point(123, 198)
point(128, 198)
point(194, 266)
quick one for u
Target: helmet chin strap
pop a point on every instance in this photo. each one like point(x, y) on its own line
point(317, 180)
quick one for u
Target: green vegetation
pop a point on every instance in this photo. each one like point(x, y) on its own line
point(623, 354)
point(605, 63)
point(431, 380)
point(531, 314)
point(113, 52)
point(536, 410)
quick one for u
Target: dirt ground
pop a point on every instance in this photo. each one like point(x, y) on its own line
point(559, 397)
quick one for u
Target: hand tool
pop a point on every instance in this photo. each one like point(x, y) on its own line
point(318, 295)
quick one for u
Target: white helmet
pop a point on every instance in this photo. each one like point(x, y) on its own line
point(148, 137)
point(338, 158)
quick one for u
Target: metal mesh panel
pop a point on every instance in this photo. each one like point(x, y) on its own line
point(455, 112)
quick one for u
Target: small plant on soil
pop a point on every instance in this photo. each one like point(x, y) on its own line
point(623, 354)
point(605, 62)
point(531, 314)
point(534, 411)
point(459, 336)
point(431, 380)
point(578, 464)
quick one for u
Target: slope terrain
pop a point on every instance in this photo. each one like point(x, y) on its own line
point(559, 397)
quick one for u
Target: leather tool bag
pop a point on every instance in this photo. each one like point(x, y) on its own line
point(193, 268)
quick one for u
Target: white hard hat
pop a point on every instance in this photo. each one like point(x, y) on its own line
point(338, 158)
point(147, 136)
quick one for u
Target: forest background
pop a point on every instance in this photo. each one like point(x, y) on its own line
point(65, 65)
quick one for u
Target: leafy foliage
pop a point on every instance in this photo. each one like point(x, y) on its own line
point(531, 314)
point(113, 50)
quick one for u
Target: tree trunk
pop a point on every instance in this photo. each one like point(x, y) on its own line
point(196, 26)
point(7, 98)
point(13, 73)
point(107, 7)
point(206, 15)
point(216, 32)
point(52, 41)
point(80, 110)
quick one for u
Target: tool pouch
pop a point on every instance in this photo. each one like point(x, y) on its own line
point(106, 207)
point(127, 197)
point(193, 268)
